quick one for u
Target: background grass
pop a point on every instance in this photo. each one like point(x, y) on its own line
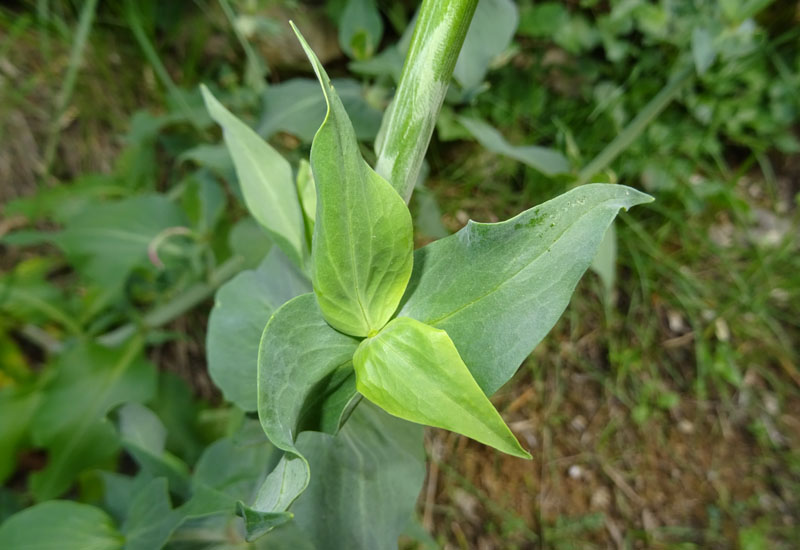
point(662, 414)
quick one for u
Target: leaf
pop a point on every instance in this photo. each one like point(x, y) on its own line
point(305, 382)
point(547, 161)
point(144, 437)
point(363, 237)
point(229, 471)
point(360, 29)
point(372, 473)
point(266, 181)
point(150, 520)
point(242, 307)
point(60, 525)
point(296, 107)
point(105, 241)
point(71, 421)
point(307, 191)
point(604, 262)
point(497, 289)
point(203, 201)
point(17, 408)
point(249, 240)
point(489, 34)
point(413, 371)
point(703, 50)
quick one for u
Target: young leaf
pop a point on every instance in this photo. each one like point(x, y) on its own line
point(266, 181)
point(60, 525)
point(547, 161)
point(498, 288)
point(363, 247)
point(307, 191)
point(242, 307)
point(413, 371)
point(305, 382)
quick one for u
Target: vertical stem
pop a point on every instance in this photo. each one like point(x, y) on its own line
point(408, 124)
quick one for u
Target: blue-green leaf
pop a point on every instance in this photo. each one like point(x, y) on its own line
point(498, 288)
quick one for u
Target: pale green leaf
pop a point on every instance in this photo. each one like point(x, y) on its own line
point(60, 525)
point(150, 520)
point(71, 422)
point(498, 289)
point(106, 240)
point(17, 408)
point(266, 181)
point(305, 382)
point(703, 49)
point(360, 28)
point(547, 161)
point(370, 476)
point(144, 437)
point(307, 191)
point(297, 107)
point(363, 237)
point(413, 371)
point(242, 307)
point(489, 34)
point(604, 262)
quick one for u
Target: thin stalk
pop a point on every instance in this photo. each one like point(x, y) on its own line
point(178, 305)
point(132, 15)
point(68, 85)
point(256, 68)
point(408, 124)
point(634, 129)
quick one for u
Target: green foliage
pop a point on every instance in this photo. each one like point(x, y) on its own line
point(362, 244)
point(413, 371)
point(266, 182)
point(69, 526)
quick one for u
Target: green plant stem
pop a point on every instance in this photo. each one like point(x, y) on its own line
point(68, 85)
point(256, 69)
point(178, 305)
point(135, 24)
point(408, 125)
point(634, 129)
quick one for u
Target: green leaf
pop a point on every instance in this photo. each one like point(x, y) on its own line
point(266, 181)
point(249, 239)
point(490, 33)
point(413, 371)
point(307, 191)
point(203, 200)
point(150, 520)
point(60, 525)
point(229, 471)
point(71, 422)
point(604, 262)
point(497, 289)
point(703, 50)
point(17, 408)
point(144, 437)
point(106, 240)
point(547, 161)
point(370, 477)
point(242, 307)
point(360, 28)
point(305, 382)
point(363, 237)
point(296, 107)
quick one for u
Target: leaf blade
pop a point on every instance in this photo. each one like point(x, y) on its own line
point(363, 237)
point(510, 291)
point(413, 371)
point(266, 181)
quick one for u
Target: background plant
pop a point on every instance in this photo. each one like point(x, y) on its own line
point(678, 350)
